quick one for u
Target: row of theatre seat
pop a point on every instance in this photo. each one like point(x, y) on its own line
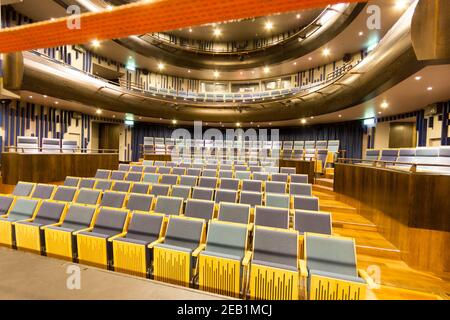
point(438, 156)
point(224, 248)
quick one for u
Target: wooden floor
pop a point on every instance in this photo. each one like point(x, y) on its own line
point(395, 278)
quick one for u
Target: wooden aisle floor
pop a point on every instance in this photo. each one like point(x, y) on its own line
point(396, 279)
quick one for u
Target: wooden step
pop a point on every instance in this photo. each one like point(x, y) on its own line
point(334, 206)
point(326, 182)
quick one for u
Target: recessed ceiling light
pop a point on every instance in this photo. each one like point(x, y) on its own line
point(298, 16)
point(140, 118)
point(268, 25)
point(56, 102)
point(340, 116)
point(258, 125)
point(95, 43)
point(190, 29)
point(384, 104)
point(326, 52)
point(401, 4)
point(270, 123)
point(295, 63)
point(266, 69)
point(303, 121)
point(430, 88)
point(98, 111)
point(312, 117)
point(360, 33)
point(161, 66)
point(418, 78)
point(216, 74)
point(160, 118)
point(109, 7)
point(174, 121)
point(251, 122)
point(309, 58)
point(189, 71)
point(206, 123)
point(114, 115)
point(241, 73)
point(45, 96)
point(253, 72)
point(238, 124)
point(31, 97)
point(52, 19)
point(379, 112)
point(217, 32)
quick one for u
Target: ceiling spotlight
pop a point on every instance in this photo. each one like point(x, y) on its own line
point(190, 29)
point(379, 112)
point(109, 7)
point(31, 97)
point(217, 32)
point(340, 116)
point(98, 111)
point(384, 105)
point(253, 72)
point(298, 16)
point(189, 70)
point(114, 115)
point(309, 58)
point(216, 74)
point(418, 78)
point(52, 19)
point(270, 123)
point(56, 102)
point(326, 52)
point(161, 66)
point(45, 96)
point(401, 4)
point(95, 43)
point(360, 33)
point(241, 73)
point(303, 121)
point(266, 70)
point(238, 124)
point(430, 88)
point(206, 123)
point(269, 25)
point(174, 121)
point(251, 122)
point(295, 63)
point(160, 118)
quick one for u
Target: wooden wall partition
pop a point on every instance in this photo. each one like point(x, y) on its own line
point(411, 210)
point(46, 168)
point(301, 166)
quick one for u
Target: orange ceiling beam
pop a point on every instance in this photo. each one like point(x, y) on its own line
point(144, 17)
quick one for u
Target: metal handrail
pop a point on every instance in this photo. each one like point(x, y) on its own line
point(384, 163)
point(59, 150)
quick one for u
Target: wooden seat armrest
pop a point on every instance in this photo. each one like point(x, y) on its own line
point(83, 230)
point(57, 224)
point(302, 268)
point(247, 258)
point(154, 243)
point(198, 250)
point(364, 275)
point(120, 235)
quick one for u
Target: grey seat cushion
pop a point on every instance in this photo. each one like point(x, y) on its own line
point(272, 217)
point(207, 182)
point(251, 198)
point(71, 182)
point(43, 191)
point(22, 209)
point(102, 174)
point(109, 222)
point(160, 190)
point(5, 204)
point(168, 205)
point(336, 276)
point(169, 179)
point(113, 199)
point(223, 195)
point(88, 196)
point(144, 228)
point(121, 186)
point(23, 189)
point(141, 188)
point(78, 217)
point(230, 184)
point(87, 183)
point(299, 178)
point(275, 187)
point(300, 189)
point(221, 255)
point(278, 200)
point(134, 176)
point(118, 175)
point(49, 213)
point(311, 221)
point(181, 192)
point(103, 185)
point(252, 185)
point(176, 248)
point(190, 181)
point(227, 239)
point(202, 193)
point(238, 213)
point(183, 233)
point(280, 177)
point(306, 203)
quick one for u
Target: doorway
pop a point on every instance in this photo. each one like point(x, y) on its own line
point(108, 136)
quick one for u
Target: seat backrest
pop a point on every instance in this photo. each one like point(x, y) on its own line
point(168, 205)
point(299, 145)
point(179, 171)
point(150, 169)
point(275, 187)
point(140, 202)
point(164, 170)
point(255, 169)
point(199, 209)
point(278, 200)
point(372, 154)
point(194, 172)
point(225, 174)
point(233, 212)
point(49, 212)
point(190, 181)
point(275, 248)
point(121, 186)
point(72, 182)
point(230, 184)
point(118, 175)
point(170, 179)
point(322, 144)
point(310, 144)
point(427, 156)
point(142, 188)
point(147, 163)
point(240, 167)
point(333, 146)
point(287, 170)
point(299, 178)
point(88, 196)
point(66, 194)
point(124, 167)
point(102, 174)
point(389, 155)
point(181, 191)
point(280, 177)
point(43, 191)
point(134, 176)
point(5, 204)
point(137, 169)
point(103, 185)
point(207, 182)
point(300, 189)
point(202, 193)
point(160, 190)
point(406, 155)
point(226, 167)
point(113, 199)
point(242, 175)
point(87, 183)
point(151, 177)
point(261, 176)
point(306, 203)
point(251, 198)
point(23, 209)
point(252, 185)
point(145, 227)
point(27, 144)
point(330, 254)
point(78, 217)
point(23, 189)
point(227, 238)
point(110, 221)
point(312, 221)
point(272, 217)
point(184, 232)
point(226, 195)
